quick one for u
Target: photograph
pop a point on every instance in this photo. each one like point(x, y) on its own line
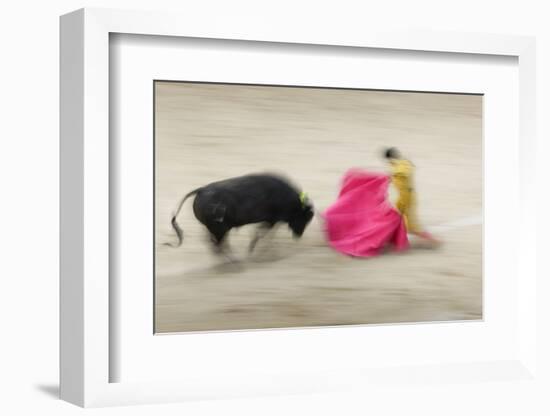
point(295, 206)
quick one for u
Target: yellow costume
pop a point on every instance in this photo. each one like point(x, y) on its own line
point(402, 178)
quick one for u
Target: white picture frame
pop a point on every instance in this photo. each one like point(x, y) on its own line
point(85, 164)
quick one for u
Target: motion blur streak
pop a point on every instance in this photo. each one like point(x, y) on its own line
point(209, 132)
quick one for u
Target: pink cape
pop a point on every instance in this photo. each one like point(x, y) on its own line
point(362, 222)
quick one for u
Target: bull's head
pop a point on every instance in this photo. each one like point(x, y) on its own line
point(302, 217)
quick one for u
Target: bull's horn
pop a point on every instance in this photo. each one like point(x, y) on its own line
point(303, 198)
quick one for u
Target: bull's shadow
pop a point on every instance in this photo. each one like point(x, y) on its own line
point(273, 245)
point(225, 266)
point(236, 258)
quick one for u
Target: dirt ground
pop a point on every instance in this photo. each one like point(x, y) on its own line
point(208, 132)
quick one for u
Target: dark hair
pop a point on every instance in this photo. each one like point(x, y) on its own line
point(392, 153)
point(300, 220)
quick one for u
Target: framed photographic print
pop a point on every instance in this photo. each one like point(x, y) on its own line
point(261, 138)
point(263, 211)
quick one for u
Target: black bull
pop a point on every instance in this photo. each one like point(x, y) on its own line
point(265, 199)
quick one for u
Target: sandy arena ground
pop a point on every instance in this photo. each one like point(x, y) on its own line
point(207, 132)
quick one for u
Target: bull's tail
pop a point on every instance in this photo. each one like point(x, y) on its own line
point(175, 225)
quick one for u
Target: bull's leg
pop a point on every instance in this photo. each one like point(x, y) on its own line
point(261, 231)
point(217, 236)
point(217, 244)
point(218, 233)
